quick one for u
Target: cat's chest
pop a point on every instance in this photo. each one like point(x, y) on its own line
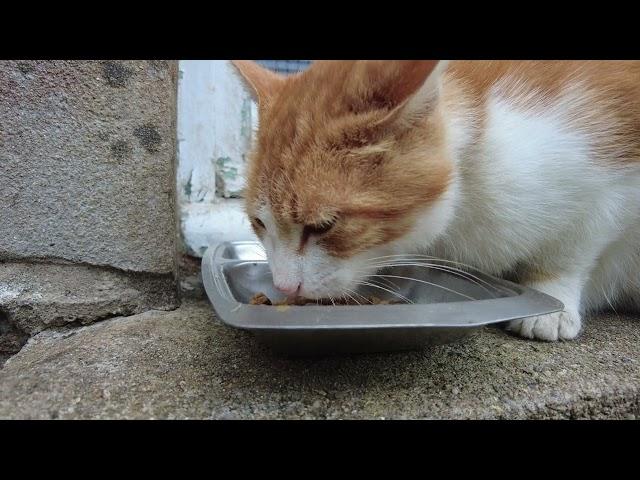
point(524, 169)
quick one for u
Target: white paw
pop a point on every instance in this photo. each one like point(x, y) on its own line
point(559, 325)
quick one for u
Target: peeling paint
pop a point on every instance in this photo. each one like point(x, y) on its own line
point(225, 172)
point(245, 122)
point(224, 167)
point(216, 120)
point(187, 186)
point(205, 224)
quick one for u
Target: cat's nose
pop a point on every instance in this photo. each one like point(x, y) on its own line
point(287, 289)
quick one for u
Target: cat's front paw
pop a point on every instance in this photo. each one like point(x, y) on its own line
point(555, 326)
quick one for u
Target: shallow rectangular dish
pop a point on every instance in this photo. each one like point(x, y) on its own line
point(446, 305)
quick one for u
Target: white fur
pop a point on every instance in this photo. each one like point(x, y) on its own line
point(282, 256)
point(534, 193)
point(318, 274)
point(530, 190)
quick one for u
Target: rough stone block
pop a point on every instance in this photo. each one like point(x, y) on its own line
point(185, 364)
point(34, 297)
point(87, 162)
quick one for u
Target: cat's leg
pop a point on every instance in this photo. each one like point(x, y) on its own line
point(564, 325)
point(564, 271)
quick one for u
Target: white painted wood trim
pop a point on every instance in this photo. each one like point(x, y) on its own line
point(216, 118)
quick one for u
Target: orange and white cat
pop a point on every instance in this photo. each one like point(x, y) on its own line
point(524, 169)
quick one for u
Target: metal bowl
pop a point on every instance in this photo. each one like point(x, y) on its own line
point(445, 306)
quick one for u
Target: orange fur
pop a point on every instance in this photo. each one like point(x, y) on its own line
point(613, 88)
point(524, 169)
point(330, 144)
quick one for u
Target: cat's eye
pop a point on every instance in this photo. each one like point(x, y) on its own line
point(258, 222)
point(318, 229)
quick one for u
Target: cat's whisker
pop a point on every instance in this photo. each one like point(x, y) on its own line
point(390, 284)
point(419, 263)
point(453, 271)
point(402, 297)
point(369, 275)
point(359, 295)
point(352, 298)
point(380, 283)
point(332, 302)
point(428, 283)
point(417, 256)
point(386, 282)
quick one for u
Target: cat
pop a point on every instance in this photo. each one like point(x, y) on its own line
point(522, 169)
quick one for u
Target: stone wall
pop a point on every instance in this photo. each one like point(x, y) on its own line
point(87, 192)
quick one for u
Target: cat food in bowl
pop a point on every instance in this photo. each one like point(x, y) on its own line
point(414, 309)
point(261, 299)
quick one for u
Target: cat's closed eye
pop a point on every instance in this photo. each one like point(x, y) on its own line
point(318, 229)
point(258, 222)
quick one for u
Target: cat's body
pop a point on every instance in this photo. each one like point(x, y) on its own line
point(529, 170)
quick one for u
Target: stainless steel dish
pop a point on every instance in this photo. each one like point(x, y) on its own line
point(446, 306)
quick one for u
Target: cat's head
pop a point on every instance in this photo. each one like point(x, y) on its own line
point(349, 165)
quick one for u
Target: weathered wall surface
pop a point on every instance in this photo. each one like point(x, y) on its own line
point(87, 178)
point(87, 162)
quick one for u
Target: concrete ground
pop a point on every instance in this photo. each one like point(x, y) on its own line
point(187, 364)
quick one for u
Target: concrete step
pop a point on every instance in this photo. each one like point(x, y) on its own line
point(37, 296)
point(186, 364)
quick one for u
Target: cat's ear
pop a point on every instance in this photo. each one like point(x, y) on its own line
point(400, 79)
point(396, 85)
point(261, 82)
